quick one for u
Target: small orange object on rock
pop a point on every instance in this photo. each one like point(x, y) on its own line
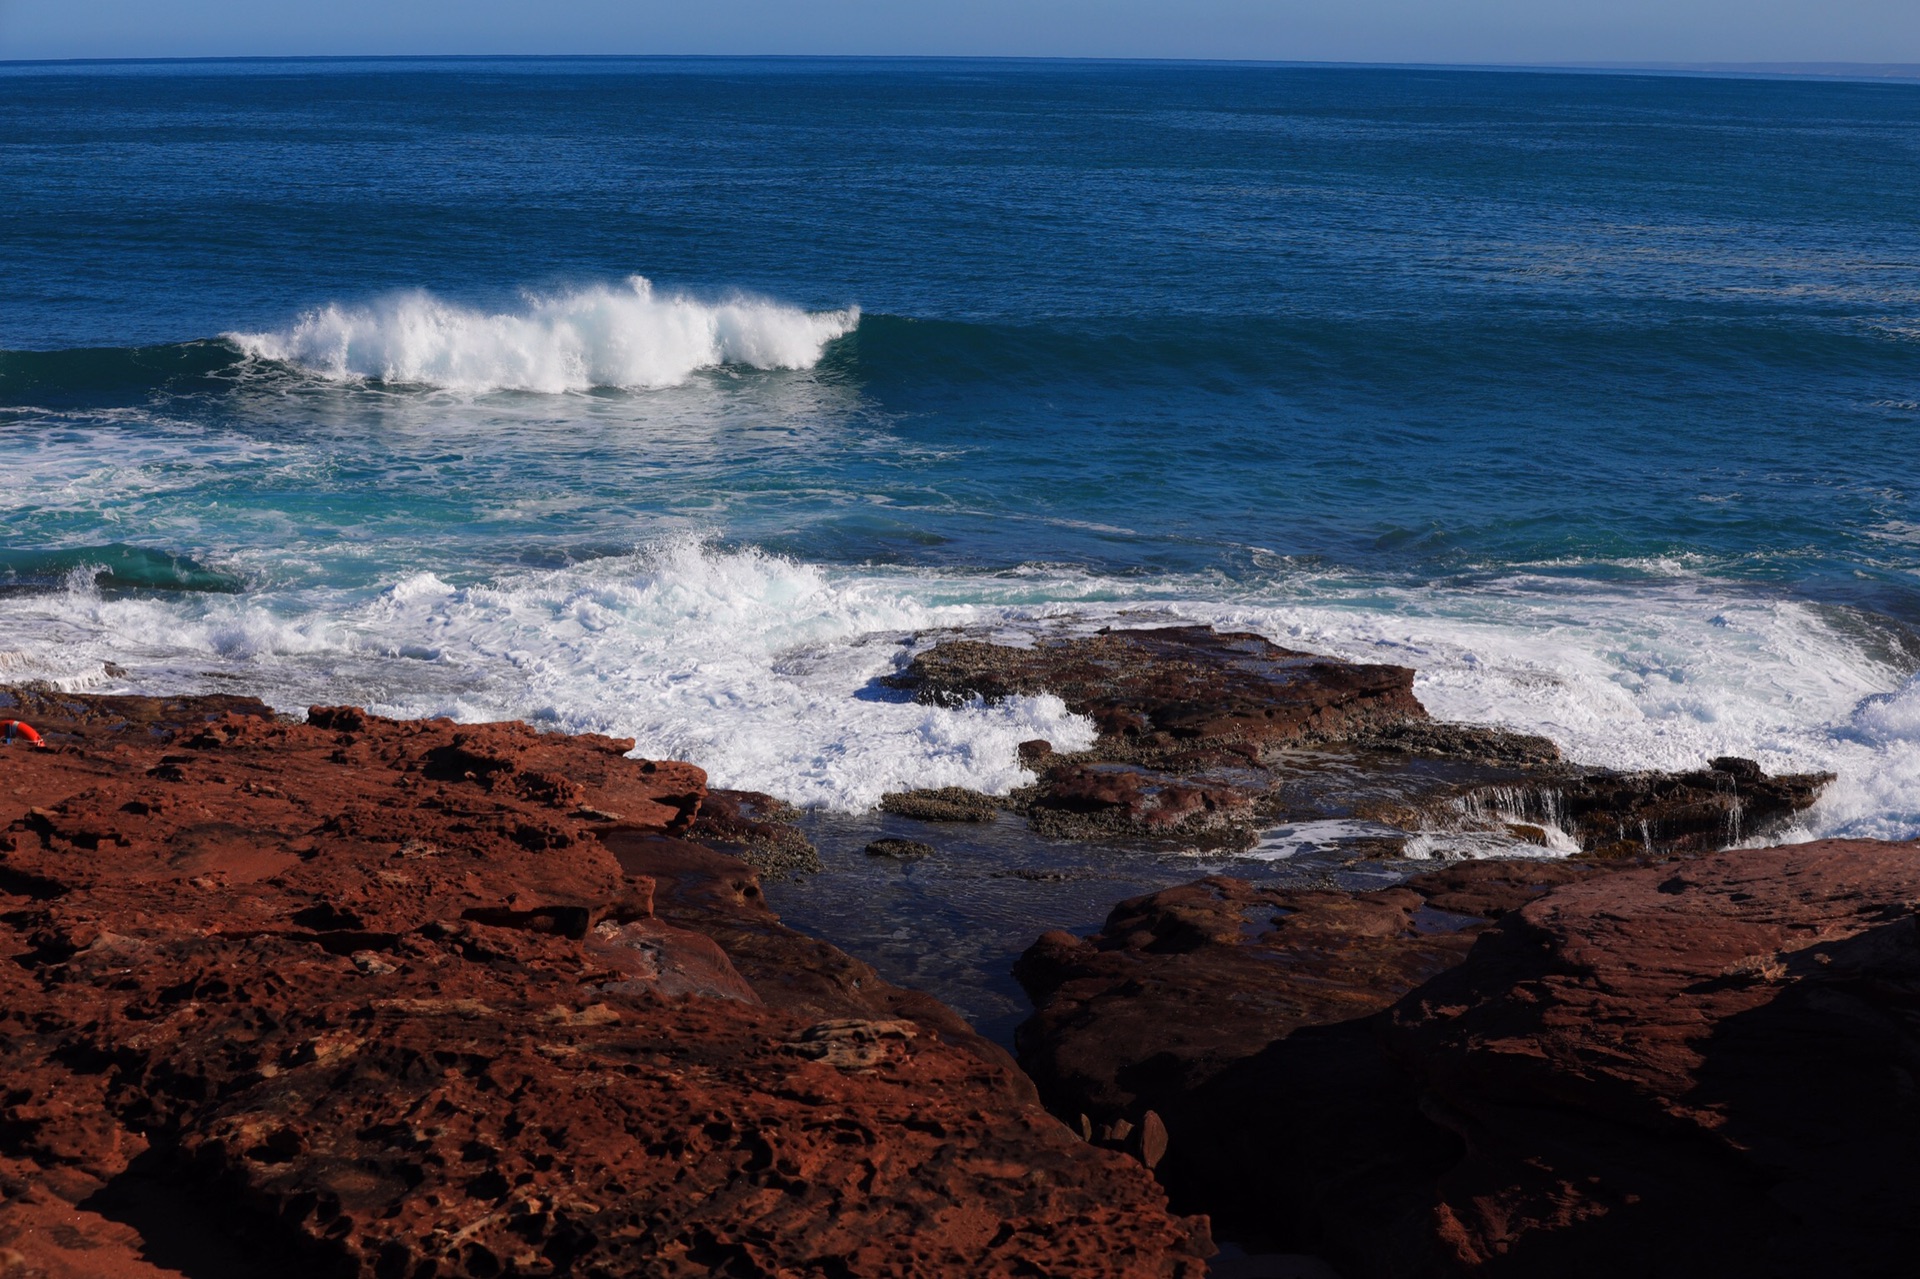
point(13, 728)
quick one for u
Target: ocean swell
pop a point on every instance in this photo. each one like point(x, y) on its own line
point(631, 337)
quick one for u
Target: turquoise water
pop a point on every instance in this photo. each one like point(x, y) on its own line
point(1592, 397)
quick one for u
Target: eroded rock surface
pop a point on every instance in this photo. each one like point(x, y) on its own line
point(1700, 1068)
point(362, 997)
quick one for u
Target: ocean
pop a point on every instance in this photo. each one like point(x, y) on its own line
point(680, 399)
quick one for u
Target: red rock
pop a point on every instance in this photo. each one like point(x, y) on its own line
point(1182, 982)
point(361, 997)
point(1700, 1069)
point(1187, 682)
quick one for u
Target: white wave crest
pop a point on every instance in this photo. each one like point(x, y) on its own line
point(601, 336)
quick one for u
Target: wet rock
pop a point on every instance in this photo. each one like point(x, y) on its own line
point(1035, 752)
point(1206, 738)
point(1084, 801)
point(311, 992)
point(1636, 814)
point(755, 828)
point(941, 804)
point(1463, 741)
point(899, 849)
point(1177, 684)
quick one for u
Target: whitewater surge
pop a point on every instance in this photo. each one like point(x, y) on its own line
point(600, 336)
point(757, 668)
point(1656, 676)
point(765, 670)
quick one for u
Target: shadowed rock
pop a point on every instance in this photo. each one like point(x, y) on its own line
point(1510, 1068)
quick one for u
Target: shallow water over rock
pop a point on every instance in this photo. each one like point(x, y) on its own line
point(952, 923)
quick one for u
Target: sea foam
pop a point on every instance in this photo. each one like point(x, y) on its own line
point(760, 669)
point(601, 336)
point(765, 670)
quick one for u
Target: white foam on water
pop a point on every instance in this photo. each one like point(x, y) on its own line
point(757, 668)
point(762, 669)
point(601, 336)
point(1665, 675)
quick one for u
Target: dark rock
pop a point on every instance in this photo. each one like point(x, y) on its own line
point(1206, 738)
point(1187, 683)
point(1520, 1068)
point(1701, 1070)
point(1034, 753)
point(1182, 982)
point(1636, 814)
point(755, 828)
point(1080, 801)
point(942, 804)
point(899, 849)
point(1478, 742)
point(1153, 1139)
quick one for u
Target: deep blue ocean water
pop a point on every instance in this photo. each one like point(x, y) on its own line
point(1596, 398)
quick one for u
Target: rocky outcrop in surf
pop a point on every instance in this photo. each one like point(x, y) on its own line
point(1205, 738)
point(364, 997)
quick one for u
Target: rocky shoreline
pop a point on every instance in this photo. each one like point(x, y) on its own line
point(358, 997)
point(354, 996)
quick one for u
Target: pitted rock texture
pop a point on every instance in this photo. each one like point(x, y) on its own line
point(1207, 737)
point(364, 997)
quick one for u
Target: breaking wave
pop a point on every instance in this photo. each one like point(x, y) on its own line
point(631, 337)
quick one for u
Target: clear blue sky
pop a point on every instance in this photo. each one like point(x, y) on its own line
point(1483, 31)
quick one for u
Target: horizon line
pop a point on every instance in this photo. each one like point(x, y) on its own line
point(1826, 69)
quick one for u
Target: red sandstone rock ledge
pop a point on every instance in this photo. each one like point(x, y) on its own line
point(417, 1000)
point(1699, 1069)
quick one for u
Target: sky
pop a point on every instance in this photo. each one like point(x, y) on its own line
point(1429, 31)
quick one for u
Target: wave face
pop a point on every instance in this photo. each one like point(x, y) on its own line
point(116, 566)
point(601, 336)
